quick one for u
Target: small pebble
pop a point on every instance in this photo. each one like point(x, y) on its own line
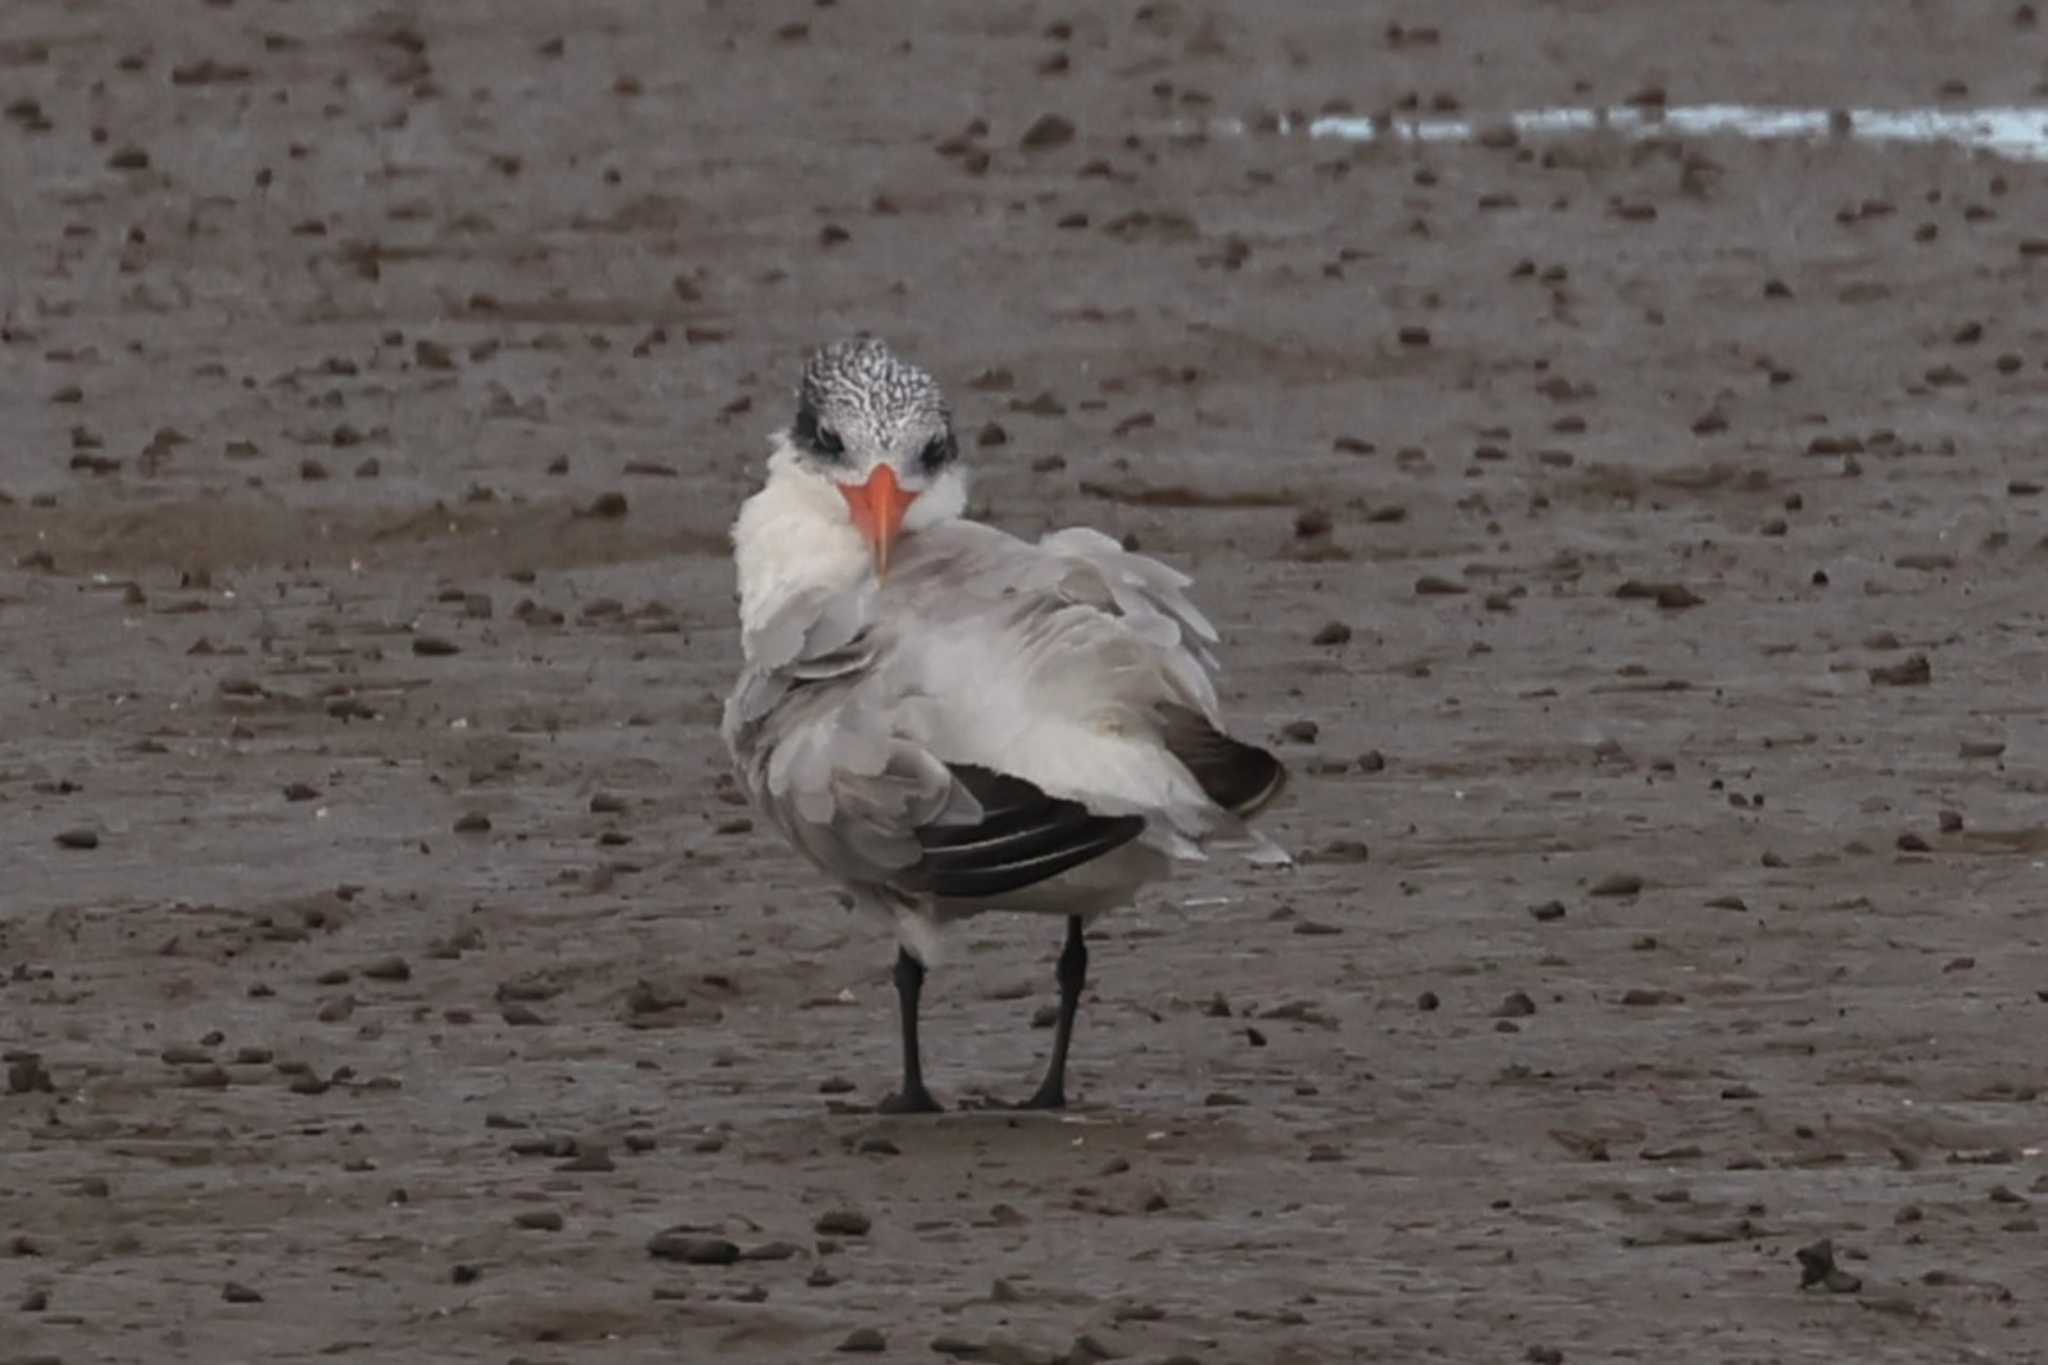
point(1817, 1267)
point(842, 1223)
point(692, 1248)
point(1046, 132)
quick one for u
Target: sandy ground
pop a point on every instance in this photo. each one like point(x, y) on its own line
point(421, 969)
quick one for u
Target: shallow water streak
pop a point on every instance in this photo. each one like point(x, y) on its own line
point(2019, 132)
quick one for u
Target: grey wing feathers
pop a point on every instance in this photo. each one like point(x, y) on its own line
point(1149, 598)
point(872, 806)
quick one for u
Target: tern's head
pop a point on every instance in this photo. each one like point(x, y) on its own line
point(877, 427)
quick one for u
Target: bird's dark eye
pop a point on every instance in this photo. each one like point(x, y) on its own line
point(820, 441)
point(937, 453)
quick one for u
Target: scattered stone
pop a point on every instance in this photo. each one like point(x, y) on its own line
point(692, 1248)
point(1340, 851)
point(388, 969)
point(1912, 671)
point(1046, 132)
point(1670, 596)
point(1515, 1005)
point(1644, 996)
point(434, 646)
point(1335, 633)
point(233, 1292)
point(842, 1223)
point(80, 838)
point(1547, 911)
point(538, 1220)
point(1617, 884)
point(771, 1251)
point(864, 1341)
point(26, 1074)
point(473, 822)
point(1817, 1267)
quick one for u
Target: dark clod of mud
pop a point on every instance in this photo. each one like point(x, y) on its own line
point(1912, 671)
point(1046, 132)
point(1334, 633)
point(26, 1074)
point(1817, 1267)
point(692, 1248)
point(842, 1223)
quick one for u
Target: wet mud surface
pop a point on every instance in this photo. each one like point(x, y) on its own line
point(1635, 546)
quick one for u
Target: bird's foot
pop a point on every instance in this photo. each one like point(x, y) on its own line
point(1045, 1097)
point(910, 1100)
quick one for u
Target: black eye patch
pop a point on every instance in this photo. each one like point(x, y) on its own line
point(820, 441)
point(938, 452)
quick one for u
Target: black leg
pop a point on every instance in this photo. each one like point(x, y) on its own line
point(1072, 975)
point(913, 1098)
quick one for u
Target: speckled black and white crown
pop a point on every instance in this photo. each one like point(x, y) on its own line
point(861, 378)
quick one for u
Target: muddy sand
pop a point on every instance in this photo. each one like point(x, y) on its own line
point(1635, 546)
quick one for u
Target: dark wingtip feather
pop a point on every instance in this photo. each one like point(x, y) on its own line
point(1242, 778)
point(1024, 837)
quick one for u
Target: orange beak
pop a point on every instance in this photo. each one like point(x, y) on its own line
point(878, 507)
